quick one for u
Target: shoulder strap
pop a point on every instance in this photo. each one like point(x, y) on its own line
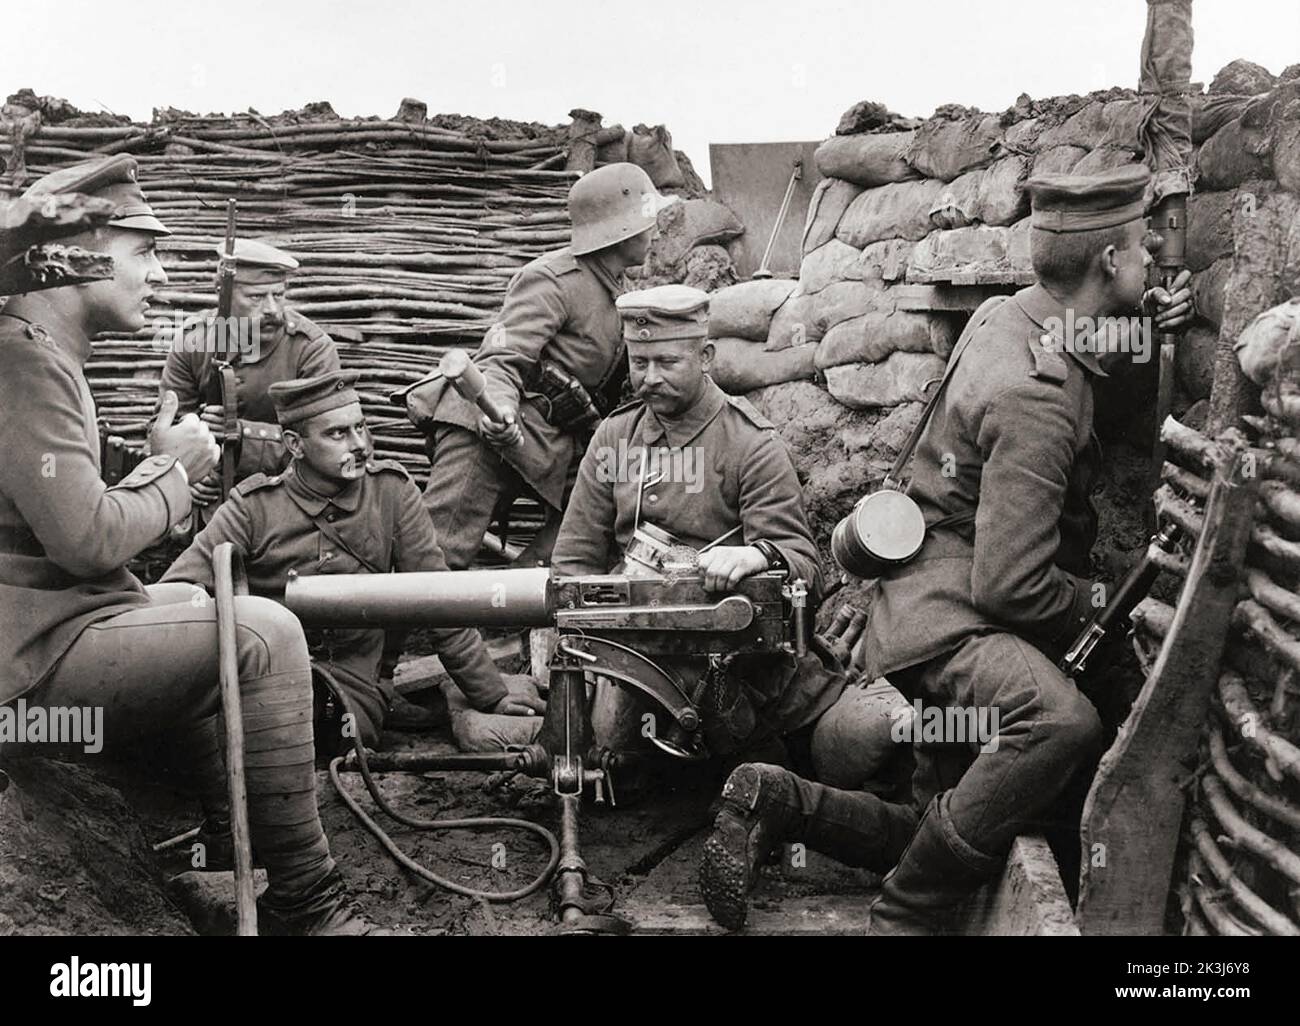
point(981, 315)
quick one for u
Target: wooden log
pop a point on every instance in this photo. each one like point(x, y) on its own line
point(1225, 924)
point(1186, 481)
point(1179, 511)
point(1274, 922)
point(1134, 809)
point(1271, 596)
point(1153, 616)
point(1281, 502)
point(1277, 808)
point(1251, 727)
point(1243, 835)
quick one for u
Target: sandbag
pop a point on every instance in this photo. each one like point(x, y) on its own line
point(1194, 360)
point(834, 261)
point(709, 268)
point(1001, 199)
point(1209, 290)
point(1058, 160)
point(794, 323)
point(1209, 228)
point(874, 336)
point(1233, 155)
point(886, 261)
point(1213, 112)
point(1114, 123)
point(975, 255)
point(957, 205)
point(686, 224)
point(844, 300)
point(867, 160)
point(829, 201)
point(898, 211)
point(1104, 158)
point(615, 150)
point(745, 310)
point(1271, 342)
point(1242, 78)
point(945, 149)
point(1023, 135)
point(900, 378)
point(651, 149)
point(1286, 148)
point(741, 366)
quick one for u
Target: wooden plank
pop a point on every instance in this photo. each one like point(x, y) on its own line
point(1027, 900)
point(1134, 810)
point(424, 671)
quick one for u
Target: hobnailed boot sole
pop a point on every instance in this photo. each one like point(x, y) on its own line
point(726, 877)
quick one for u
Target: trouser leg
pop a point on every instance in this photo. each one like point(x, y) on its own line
point(155, 669)
point(1038, 733)
point(466, 481)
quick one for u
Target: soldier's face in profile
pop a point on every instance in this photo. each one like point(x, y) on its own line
point(669, 376)
point(122, 302)
point(335, 444)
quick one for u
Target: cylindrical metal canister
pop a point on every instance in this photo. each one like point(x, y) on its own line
point(885, 529)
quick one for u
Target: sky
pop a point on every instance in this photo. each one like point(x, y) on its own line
point(756, 71)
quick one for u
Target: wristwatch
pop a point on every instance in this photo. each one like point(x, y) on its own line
point(775, 561)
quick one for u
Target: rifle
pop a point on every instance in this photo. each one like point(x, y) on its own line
point(222, 386)
point(610, 625)
point(1132, 590)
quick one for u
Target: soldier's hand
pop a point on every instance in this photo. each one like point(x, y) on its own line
point(501, 436)
point(190, 441)
point(214, 416)
point(207, 491)
point(523, 699)
point(727, 565)
point(1172, 307)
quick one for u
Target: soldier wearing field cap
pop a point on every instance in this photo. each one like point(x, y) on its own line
point(79, 630)
point(1003, 474)
point(267, 342)
point(553, 360)
point(686, 458)
point(337, 510)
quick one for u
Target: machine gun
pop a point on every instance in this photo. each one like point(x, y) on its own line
point(610, 625)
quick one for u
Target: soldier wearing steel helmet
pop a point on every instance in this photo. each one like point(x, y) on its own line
point(558, 329)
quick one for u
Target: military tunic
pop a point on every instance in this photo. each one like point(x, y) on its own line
point(300, 349)
point(1008, 460)
point(376, 524)
point(65, 537)
point(721, 466)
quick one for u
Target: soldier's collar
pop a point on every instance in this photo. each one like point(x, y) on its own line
point(613, 282)
point(312, 502)
point(1050, 315)
point(680, 431)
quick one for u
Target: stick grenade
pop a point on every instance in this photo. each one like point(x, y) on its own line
point(465, 378)
point(229, 580)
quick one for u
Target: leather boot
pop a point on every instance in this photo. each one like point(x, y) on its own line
point(937, 872)
point(765, 805)
point(323, 911)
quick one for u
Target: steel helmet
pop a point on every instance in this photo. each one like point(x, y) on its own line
point(610, 204)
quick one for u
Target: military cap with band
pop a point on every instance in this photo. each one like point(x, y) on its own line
point(301, 398)
point(664, 313)
point(1084, 203)
point(258, 262)
point(113, 179)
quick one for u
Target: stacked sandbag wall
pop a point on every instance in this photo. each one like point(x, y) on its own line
point(915, 222)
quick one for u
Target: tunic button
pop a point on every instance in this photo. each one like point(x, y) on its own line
point(652, 498)
point(262, 433)
point(326, 556)
point(330, 517)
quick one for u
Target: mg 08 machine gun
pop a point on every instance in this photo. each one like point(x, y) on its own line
point(618, 627)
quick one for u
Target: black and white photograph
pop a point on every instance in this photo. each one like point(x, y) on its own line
point(714, 470)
